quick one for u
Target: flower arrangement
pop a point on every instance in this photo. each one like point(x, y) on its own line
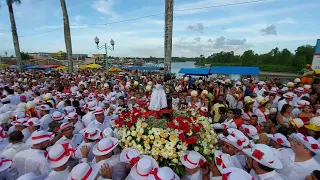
point(187, 130)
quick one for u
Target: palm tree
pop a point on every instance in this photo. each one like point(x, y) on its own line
point(67, 36)
point(14, 31)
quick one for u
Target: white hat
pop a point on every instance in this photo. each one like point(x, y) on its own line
point(274, 90)
point(69, 109)
point(302, 103)
point(64, 126)
point(57, 116)
point(273, 110)
point(20, 122)
point(136, 83)
point(194, 93)
point(105, 146)
point(192, 159)
point(148, 88)
point(233, 141)
point(288, 95)
point(91, 133)
point(233, 173)
point(59, 155)
point(4, 164)
point(186, 79)
point(284, 89)
point(296, 80)
point(72, 115)
point(83, 171)
point(297, 122)
point(150, 83)
point(31, 104)
point(280, 139)
point(4, 118)
point(33, 122)
point(92, 105)
point(251, 131)
point(308, 141)
point(108, 132)
point(47, 96)
point(264, 155)
point(163, 173)
point(261, 83)
point(130, 156)
point(44, 107)
point(307, 86)
point(290, 84)
point(142, 169)
point(242, 140)
point(204, 92)
point(113, 99)
point(40, 136)
point(99, 110)
point(299, 89)
point(32, 176)
point(220, 126)
point(222, 160)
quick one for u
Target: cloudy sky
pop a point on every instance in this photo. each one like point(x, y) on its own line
point(200, 26)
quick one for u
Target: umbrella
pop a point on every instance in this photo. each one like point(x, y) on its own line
point(49, 66)
point(114, 69)
point(84, 66)
point(63, 68)
point(94, 66)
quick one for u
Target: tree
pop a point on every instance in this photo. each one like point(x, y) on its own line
point(6, 53)
point(67, 35)
point(25, 56)
point(307, 51)
point(14, 32)
point(286, 57)
point(249, 58)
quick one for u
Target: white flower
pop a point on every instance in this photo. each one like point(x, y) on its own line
point(169, 146)
point(129, 137)
point(156, 131)
point(190, 133)
point(151, 137)
point(196, 148)
point(141, 130)
point(133, 133)
point(157, 143)
point(175, 160)
point(211, 146)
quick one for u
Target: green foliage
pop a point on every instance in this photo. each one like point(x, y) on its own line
point(157, 123)
point(25, 56)
point(275, 60)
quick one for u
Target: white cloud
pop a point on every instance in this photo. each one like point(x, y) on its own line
point(284, 38)
point(105, 7)
point(287, 21)
point(269, 30)
point(255, 28)
point(77, 18)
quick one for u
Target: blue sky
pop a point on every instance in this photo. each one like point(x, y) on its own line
point(258, 26)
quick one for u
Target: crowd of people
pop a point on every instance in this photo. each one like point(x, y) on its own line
point(57, 125)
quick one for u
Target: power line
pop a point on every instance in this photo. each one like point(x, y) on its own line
point(157, 14)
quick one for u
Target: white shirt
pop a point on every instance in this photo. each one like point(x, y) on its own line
point(195, 176)
point(232, 101)
point(3, 143)
point(31, 160)
point(55, 175)
point(119, 171)
point(78, 154)
point(60, 106)
point(262, 115)
point(296, 99)
point(15, 99)
point(7, 107)
point(281, 103)
point(78, 127)
point(12, 149)
point(297, 170)
point(74, 142)
point(74, 89)
point(273, 175)
point(88, 118)
point(296, 111)
point(102, 126)
point(9, 174)
point(26, 133)
point(44, 122)
point(259, 92)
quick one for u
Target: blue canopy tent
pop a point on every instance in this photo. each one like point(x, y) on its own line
point(31, 67)
point(13, 67)
point(242, 70)
point(235, 72)
point(195, 71)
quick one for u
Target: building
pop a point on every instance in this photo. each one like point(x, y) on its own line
point(99, 56)
point(79, 56)
point(59, 55)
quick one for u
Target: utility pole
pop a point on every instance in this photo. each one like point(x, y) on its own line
point(168, 35)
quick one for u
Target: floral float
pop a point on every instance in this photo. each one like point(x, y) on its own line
point(167, 139)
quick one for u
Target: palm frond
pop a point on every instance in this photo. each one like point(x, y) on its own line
point(14, 2)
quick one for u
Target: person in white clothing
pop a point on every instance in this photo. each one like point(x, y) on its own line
point(91, 136)
point(7, 106)
point(89, 108)
point(6, 172)
point(66, 130)
point(142, 169)
point(192, 161)
point(16, 145)
point(58, 157)
point(34, 159)
point(299, 106)
point(298, 95)
point(287, 100)
point(33, 125)
point(73, 87)
point(103, 152)
point(3, 139)
point(262, 160)
point(259, 90)
point(100, 122)
point(75, 120)
point(45, 116)
point(300, 162)
point(19, 125)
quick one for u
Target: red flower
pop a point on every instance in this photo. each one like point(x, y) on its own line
point(246, 130)
point(188, 112)
point(314, 146)
point(257, 154)
point(196, 129)
point(134, 118)
point(194, 118)
point(181, 137)
point(129, 124)
point(192, 140)
point(186, 130)
point(279, 140)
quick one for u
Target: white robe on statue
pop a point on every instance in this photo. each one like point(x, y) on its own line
point(158, 98)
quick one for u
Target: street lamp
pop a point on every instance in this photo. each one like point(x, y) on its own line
point(106, 47)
